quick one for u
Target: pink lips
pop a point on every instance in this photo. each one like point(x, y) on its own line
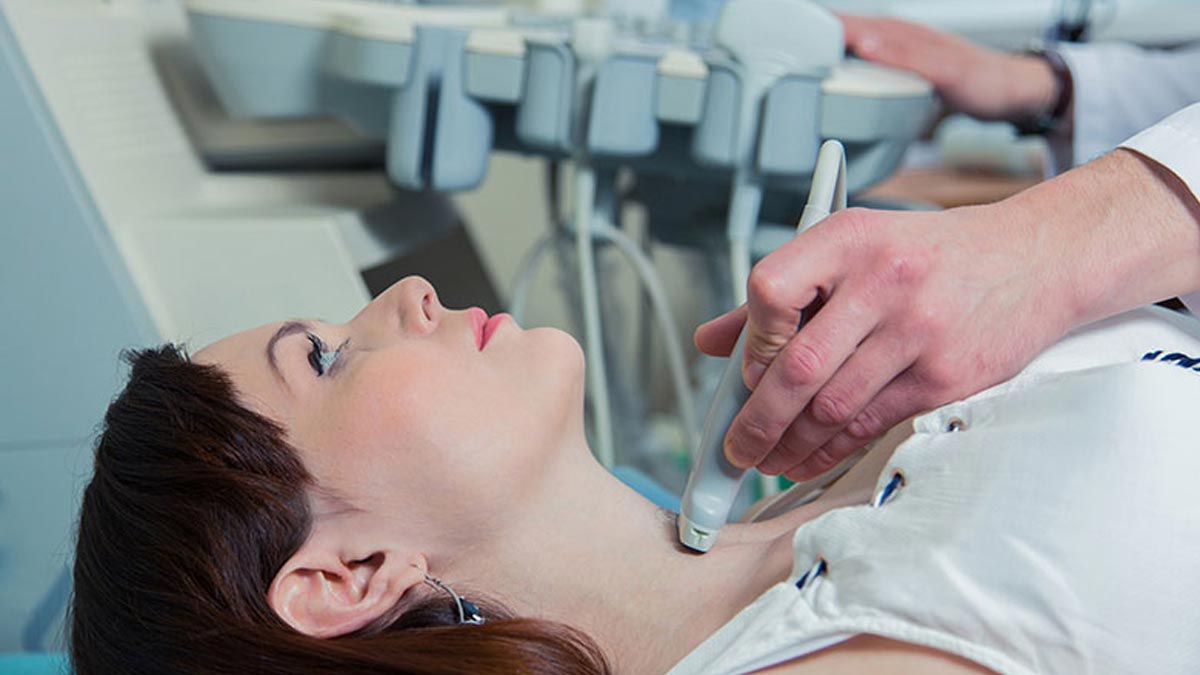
point(484, 327)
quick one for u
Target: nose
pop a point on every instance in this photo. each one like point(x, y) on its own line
point(409, 306)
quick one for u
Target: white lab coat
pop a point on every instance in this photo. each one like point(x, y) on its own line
point(1123, 94)
point(1121, 90)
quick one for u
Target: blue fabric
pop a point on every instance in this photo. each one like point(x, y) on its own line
point(34, 664)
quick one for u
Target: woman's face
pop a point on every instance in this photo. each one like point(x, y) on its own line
point(412, 409)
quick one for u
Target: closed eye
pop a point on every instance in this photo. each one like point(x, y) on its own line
point(319, 357)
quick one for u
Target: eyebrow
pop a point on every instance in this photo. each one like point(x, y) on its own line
point(287, 329)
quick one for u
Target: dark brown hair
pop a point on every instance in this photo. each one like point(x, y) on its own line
point(195, 504)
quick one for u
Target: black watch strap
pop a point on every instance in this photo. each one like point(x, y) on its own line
point(1054, 117)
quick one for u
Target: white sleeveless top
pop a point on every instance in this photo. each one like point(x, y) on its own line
point(1058, 531)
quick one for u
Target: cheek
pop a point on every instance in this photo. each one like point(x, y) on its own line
point(404, 435)
point(434, 427)
point(379, 431)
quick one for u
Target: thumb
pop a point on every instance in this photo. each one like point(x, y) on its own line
point(762, 346)
point(783, 285)
point(770, 328)
point(718, 336)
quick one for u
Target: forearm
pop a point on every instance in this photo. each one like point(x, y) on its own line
point(1117, 233)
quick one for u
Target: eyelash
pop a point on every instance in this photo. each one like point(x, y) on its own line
point(317, 355)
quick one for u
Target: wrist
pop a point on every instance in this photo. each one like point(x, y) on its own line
point(1041, 93)
point(1039, 268)
point(1032, 86)
point(1111, 235)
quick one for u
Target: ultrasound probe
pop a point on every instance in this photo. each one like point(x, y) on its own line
point(714, 482)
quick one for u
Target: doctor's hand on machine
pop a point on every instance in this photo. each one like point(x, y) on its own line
point(920, 309)
point(970, 78)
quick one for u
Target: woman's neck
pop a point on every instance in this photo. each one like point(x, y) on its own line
point(589, 552)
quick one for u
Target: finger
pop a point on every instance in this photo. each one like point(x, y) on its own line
point(822, 458)
point(875, 363)
point(781, 286)
point(841, 445)
point(903, 398)
point(801, 369)
point(934, 55)
point(859, 34)
point(853, 26)
point(718, 336)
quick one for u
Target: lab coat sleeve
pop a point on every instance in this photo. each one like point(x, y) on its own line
point(1121, 89)
point(1175, 144)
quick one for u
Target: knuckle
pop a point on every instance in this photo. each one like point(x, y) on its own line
point(823, 458)
point(775, 463)
point(754, 435)
point(867, 425)
point(901, 266)
point(927, 320)
point(761, 352)
point(939, 376)
point(831, 409)
point(843, 444)
point(763, 347)
point(787, 453)
point(800, 440)
point(801, 364)
point(812, 465)
point(764, 289)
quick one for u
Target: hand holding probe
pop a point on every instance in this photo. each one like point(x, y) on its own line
point(714, 482)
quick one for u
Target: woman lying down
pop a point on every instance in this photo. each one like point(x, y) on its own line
point(411, 492)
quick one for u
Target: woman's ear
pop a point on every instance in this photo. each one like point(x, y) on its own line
point(326, 590)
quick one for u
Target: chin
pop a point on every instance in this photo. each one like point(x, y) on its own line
point(560, 349)
point(561, 360)
point(544, 399)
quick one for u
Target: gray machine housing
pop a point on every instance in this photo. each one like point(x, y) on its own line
point(443, 107)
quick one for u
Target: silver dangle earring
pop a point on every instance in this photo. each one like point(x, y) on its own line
point(468, 613)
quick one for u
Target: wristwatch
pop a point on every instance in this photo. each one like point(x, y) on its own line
point(1053, 118)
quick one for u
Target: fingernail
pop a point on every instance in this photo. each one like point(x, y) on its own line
point(869, 44)
point(754, 373)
